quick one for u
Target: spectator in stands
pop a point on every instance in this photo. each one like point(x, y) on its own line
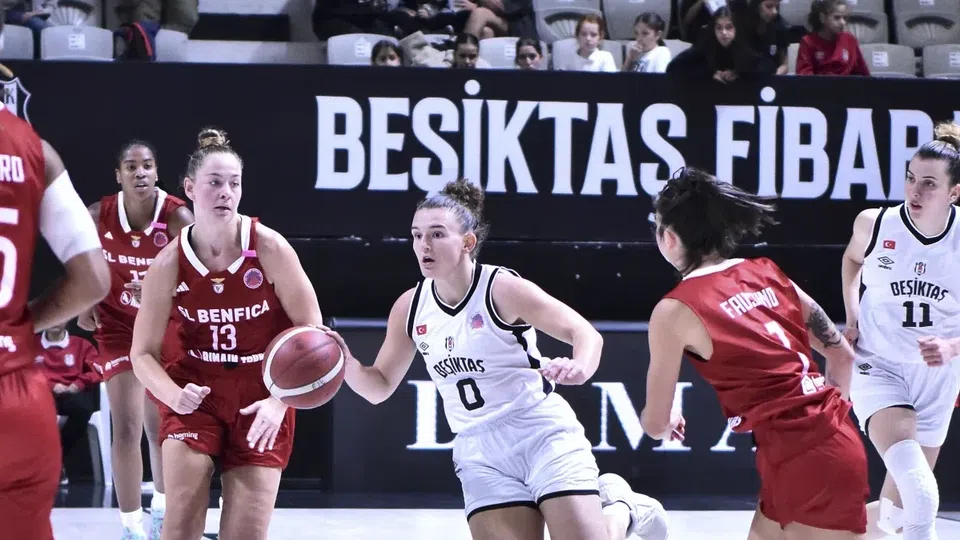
point(68, 362)
point(486, 18)
point(339, 17)
point(720, 55)
point(590, 31)
point(829, 49)
point(696, 16)
point(466, 51)
point(176, 15)
point(765, 32)
point(529, 54)
point(385, 53)
point(648, 53)
point(22, 13)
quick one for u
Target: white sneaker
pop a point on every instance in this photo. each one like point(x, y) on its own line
point(156, 523)
point(133, 533)
point(648, 519)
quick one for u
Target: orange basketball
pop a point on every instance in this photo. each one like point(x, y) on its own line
point(303, 367)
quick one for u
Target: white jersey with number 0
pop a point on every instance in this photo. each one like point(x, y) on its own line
point(482, 366)
point(909, 287)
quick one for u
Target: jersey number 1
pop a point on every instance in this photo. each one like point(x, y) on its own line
point(8, 216)
point(477, 400)
point(910, 322)
point(808, 384)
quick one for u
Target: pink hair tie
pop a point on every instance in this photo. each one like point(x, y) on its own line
point(249, 253)
point(160, 226)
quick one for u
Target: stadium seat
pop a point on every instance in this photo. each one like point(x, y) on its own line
point(557, 19)
point(171, 46)
point(920, 23)
point(99, 437)
point(941, 62)
point(886, 60)
point(620, 14)
point(87, 43)
point(353, 49)
point(17, 43)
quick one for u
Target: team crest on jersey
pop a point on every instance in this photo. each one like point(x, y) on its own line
point(920, 268)
point(134, 240)
point(126, 298)
point(160, 239)
point(68, 359)
point(253, 278)
point(217, 285)
point(16, 97)
point(476, 322)
point(449, 343)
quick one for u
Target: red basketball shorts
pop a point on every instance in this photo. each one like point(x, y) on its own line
point(217, 428)
point(114, 357)
point(31, 463)
point(824, 486)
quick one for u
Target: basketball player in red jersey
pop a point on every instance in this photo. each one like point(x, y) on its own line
point(36, 194)
point(134, 225)
point(236, 284)
point(748, 329)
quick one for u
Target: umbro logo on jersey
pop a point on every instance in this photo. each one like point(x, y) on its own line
point(424, 347)
point(864, 368)
point(885, 263)
point(182, 287)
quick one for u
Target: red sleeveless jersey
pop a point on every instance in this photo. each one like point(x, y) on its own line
point(762, 367)
point(227, 318)
point(22, 183)
point(129, 253)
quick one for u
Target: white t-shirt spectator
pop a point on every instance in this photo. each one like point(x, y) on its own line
point(653, 61)
point(599, 60)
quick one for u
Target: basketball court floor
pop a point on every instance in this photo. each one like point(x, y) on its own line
point(305, 515)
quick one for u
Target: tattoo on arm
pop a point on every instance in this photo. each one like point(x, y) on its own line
point(822, 327)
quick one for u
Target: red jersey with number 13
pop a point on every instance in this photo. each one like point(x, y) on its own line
point(762, 367)
point(227, 318)
point(22, 183)
point(129, 253)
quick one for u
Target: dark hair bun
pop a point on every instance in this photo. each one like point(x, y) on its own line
point(212, 137)
point(466, 193)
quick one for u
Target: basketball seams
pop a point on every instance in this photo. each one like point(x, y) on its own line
point(271, 351)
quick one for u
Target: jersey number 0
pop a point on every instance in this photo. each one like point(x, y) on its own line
point(475, 401)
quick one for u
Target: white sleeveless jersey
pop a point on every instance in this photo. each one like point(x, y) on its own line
point(909, 287)
point(482, 366)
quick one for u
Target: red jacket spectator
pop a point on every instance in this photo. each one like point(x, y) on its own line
point(67, 361)
point(841, 56)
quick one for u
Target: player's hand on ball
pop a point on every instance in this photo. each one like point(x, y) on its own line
point(564, 371)
point(189, 398)
point(266, 425)
point(339, 339)
point(851, 333)
point(935, 351)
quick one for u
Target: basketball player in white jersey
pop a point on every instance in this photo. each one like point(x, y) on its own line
point(520, 453)
point(903, 318)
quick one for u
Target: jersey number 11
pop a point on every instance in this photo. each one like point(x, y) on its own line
point(908, 319)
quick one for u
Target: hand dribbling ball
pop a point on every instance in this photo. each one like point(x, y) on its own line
point(303, 367)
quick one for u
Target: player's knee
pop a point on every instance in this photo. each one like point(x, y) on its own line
point(916, 482)
point(126, 431)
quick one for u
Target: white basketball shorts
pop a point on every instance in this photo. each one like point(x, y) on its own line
point(930, 391)
point(525, 458)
